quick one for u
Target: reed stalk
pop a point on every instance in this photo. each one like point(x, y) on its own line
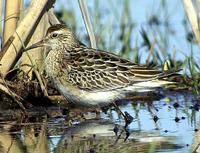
point(12, 13)
point(1, 17)
point(193, 18)
point(88, 24)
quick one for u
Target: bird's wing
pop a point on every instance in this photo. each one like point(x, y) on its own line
point(97, 70)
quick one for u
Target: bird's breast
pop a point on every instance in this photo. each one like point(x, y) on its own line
point(52, 64)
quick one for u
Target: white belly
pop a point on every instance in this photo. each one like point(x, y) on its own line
point(103, 98)
point(89, 99)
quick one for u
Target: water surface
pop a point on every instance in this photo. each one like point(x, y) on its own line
point(170, 125)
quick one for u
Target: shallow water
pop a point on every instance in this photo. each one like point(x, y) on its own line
point(167, 125)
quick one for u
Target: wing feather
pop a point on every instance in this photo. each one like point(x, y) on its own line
point(97, 70)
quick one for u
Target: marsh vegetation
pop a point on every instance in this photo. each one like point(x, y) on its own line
point(34, 117)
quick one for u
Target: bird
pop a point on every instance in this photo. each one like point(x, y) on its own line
point(92, 77)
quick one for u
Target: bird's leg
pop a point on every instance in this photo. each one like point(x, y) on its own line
point(127, 117)
point(117, 107)
point(152, 111)
point(98, 113)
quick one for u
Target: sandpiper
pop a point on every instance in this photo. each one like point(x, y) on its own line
point(92, 77)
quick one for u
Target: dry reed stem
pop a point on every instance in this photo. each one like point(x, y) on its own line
point(21, 6)
point(1, 17)
point(193, 18)
point(6, 46)
point(88, 24)
point(22, 33)
point(12, 12)
point(52, 17)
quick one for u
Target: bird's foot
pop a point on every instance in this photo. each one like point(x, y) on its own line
point(128, 119)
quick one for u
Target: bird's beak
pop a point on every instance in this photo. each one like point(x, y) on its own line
point(36, 45)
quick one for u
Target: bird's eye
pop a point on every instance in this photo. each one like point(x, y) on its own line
point(54, 35)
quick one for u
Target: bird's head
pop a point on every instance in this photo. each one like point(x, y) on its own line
point(57, 37)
